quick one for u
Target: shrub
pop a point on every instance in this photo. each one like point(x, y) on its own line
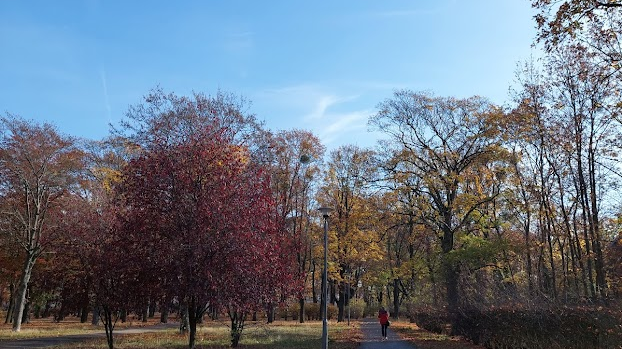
point(332, 312)
point(553, 327)
point(287, 311)
point(430, 318)
point(312, 311)
point(357, 309)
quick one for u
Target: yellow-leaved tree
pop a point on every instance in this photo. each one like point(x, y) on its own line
point(443, 146)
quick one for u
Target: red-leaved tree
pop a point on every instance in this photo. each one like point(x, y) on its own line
point(201, 214)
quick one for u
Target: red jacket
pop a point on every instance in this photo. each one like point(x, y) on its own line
point(383, 316)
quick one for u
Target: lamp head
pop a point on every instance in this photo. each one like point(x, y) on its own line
point(325, 211)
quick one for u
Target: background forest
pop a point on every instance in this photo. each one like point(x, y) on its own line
point(501, 221)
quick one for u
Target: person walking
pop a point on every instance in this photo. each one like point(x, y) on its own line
point(383, 318)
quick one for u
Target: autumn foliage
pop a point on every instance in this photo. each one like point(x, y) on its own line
point(201, 216)
point(501, 224)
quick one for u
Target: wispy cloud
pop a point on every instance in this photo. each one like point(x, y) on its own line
point(102, 74)
point(312, 99)
point(333, 117)
point(323, 103)
point(342, 124)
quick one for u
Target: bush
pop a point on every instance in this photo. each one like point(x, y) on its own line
point(430, 318)
point(554, 327)
point(312, 311)
point(290, 310)
point(332, 312)
point(357, 309)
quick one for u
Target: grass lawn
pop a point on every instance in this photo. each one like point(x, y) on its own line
point(213, 334)
point(257, 336)
point(70, 326)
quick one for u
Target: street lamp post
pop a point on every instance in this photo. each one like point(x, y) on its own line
point(325, 212)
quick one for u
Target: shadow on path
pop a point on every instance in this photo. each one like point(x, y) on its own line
point(372, 338)
point(55, 341)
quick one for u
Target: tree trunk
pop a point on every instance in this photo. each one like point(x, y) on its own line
point(164, 312)
point(599, 263)
point(237, 326)
point(152, 308)
point(270, 313)
point(451, 273)
point(577, 240)
point(11, 308)
point(109, 323)
point(551, 256)
point(46, 309)
point(575, 250)
point(301, 313)
point(95, 319)
point(26, 313)
point(452, 276)
point(144, 313)
point(183, 321)
point(192, 321)
point(341, 302)
point(60, 316)
point(84, 314)
point(396, 299)
point(22, 289)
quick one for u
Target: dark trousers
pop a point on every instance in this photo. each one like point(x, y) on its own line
point(384, 329)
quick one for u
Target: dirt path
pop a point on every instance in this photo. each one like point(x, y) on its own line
point(373, 340)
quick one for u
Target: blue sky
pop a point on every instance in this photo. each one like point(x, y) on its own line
point(317, 65)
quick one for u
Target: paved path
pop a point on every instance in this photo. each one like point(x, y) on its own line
point(55, 341)
point(372, 338)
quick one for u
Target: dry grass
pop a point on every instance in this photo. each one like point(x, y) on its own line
point(215, 335)
point(212, 335)
point(427, 340)
point(70, 326)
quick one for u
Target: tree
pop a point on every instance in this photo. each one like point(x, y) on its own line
point(10, 255)
point(38, 167)
point(355, 242)
point(588, 104)
point(297, 156)
point(593, 23)
point(261, 268)
point(196, 208)
point(109, 272)
point(165, 119)
point(405, 239)
point(446, 144)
